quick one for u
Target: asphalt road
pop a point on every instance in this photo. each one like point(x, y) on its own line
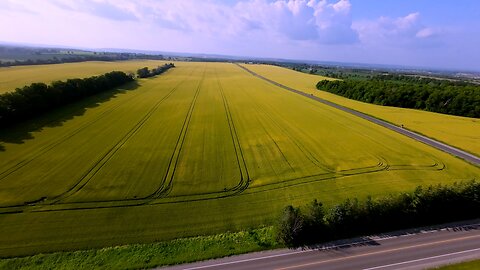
point(434, 143)
point(421, 250)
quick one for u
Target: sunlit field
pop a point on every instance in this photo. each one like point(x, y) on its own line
point(19, 76)
point(201, 149)
point(461, 132)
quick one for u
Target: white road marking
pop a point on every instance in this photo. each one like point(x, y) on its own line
point(423, 259)
point(318, 249)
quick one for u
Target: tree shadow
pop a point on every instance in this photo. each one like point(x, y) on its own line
point(21, 132)
point(344, 244)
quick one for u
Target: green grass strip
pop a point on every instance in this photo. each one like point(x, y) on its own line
point(151, 255)
point(473, 265)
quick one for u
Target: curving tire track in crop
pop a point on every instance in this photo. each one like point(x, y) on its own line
point(413, 135)
point(167, 182)
point(242, 165)
point(98, 165)
point(160, 196)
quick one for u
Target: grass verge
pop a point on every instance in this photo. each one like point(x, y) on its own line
point(143, 256)
point(461, 266)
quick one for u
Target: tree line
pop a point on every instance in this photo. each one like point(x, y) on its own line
point(61, 60)
point(145, 72)
point(39, 56)
point(442, 96)
point(425, 206)
point(37, 98)
point(76, 59)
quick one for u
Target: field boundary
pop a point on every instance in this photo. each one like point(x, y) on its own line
point(413, 135)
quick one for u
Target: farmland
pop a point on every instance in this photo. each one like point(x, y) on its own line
point(461, 132)
point(204, 148)
point(13, 77)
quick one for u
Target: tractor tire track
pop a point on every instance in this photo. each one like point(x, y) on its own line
point(242, 165)
point(216, 195)
point(413, 135)
point(167, 182)
point(52, 145)
point(382, 164)
point(308, 154)
point(385, 165)
point(99, 164)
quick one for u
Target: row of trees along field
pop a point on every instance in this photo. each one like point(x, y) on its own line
point(425, 206)
point(442, 96)
point(61, 60)
point(37, 98)
point(145, 72)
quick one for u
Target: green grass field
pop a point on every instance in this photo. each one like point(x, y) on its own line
point(19, 76)
point(461, 132)
point(471, 265)
point(202, 149)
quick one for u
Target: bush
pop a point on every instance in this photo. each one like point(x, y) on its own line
point(291, 226)
point(145, 72)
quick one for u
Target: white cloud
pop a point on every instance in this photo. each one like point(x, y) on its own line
point(321, 21)
point(404, 23)
point(334, 22)
point(426, 32)
point(302, 29)
point(396, 32)
point(342, 6)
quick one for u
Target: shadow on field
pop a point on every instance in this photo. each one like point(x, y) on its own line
point(21, 132)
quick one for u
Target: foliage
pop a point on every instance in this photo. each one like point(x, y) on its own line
point(291, 225)
point(145, 72)
point(38, 98)
point(443, 96)
point(424, 206)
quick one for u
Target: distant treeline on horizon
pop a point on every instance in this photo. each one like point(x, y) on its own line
point(76, 59)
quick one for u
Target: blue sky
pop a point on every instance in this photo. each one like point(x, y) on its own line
point(424, 33)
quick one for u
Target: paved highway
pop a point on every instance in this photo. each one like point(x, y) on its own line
point(406, 251)
point(434, 143)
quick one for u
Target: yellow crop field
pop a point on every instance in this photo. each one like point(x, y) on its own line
point(201, 149)
point(13, 77)
point(461, 132)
